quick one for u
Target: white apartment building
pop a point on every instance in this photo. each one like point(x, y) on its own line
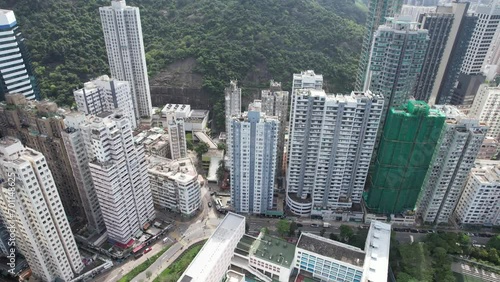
point(460, 141)
point(77, 155)
point(181, 110)
point(15, 66)
point(488, 19)
point(479, 203)
point(213, 260)
point(121, 25)
point(232, 96)
point(105, 94)
point(30, 204)
point(174, 184)
point(332, 142)
point(119, 173)
point(486, 108)
point(254, 140)
point(177, 136)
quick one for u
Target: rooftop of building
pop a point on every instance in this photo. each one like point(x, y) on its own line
point(487, 171)
point(377, 252)
point(233, 276)
point(307, 73)
point(330, 248)
point(179, 170)
point(198, 114)
point(176, 107)
point(214, 248)
point(273, 250)
point(417, 108)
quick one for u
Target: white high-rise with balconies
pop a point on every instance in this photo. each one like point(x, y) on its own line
point(479, 203)
point(332, 141)
point(30, 205)
point(454, 156)
point(122, 30)
point(253, 164)
point(232, 96)
point(119, 173)
point(486, 108)
point(105, 94)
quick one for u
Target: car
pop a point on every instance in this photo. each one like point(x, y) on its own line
point(147, 250)
point(314, 225)
point(209, 204)
point(414, 230)
point(300, 225)
point(138, 255)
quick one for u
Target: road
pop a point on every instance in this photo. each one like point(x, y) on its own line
point(183, 235)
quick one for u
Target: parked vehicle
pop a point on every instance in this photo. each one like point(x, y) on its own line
point(314, 225)
point(147, 250)
point(326, 224)
point(209, 204)
point(138, 255)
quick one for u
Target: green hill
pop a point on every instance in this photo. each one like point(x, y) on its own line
point(228, 38)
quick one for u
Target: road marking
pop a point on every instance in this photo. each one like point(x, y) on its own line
point(113, 277)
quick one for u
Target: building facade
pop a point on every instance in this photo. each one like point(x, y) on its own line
point(486, 108)
point(39, 125)
point(254, 139)
point(275, 103)
point(77, 155)
point(174, 185)
point(177, 136)
point(332, 142)
point(119, 173)
point(17, 75)
point(404, 155)
point(479, 203)
point(105, 94)
point(456, 151)
point(30, 204)
point(232, 96)
point(121, 25)
point(378, 10)
point(445, 26)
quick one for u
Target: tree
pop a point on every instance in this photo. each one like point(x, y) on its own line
point(221, 146)
point(322, 232)
point(359, 239)
point(334, 237)
point(247, 227)
point(346, 233)
point(201, 149)
point(264, 230)
point(221, 170)
point(293, 227)
point(299, 233)
point(494, 243)
point(283, 227)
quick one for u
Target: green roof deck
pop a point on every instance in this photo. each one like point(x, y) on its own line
point(273, 250)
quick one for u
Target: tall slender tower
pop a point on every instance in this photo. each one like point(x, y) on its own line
point(176, 136)
point(396, 59)
point(253, 163)
point(331, 146)
point(122, 29)
point(29, 203)
point(232, 96)
point(119, 173)
point(451, 163)
point(486, 108)
point(16, 72)
point(378, 10)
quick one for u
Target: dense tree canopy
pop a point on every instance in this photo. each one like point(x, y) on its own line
point(229, 39)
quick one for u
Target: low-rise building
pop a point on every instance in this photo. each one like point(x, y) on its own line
point(155, 142)
point(174, 184)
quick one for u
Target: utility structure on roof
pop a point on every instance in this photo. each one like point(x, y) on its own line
point(406, 148)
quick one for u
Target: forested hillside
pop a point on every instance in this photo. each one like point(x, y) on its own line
point(228, 39)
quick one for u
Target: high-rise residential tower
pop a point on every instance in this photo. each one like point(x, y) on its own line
point(396, 59)
point(488, 24)
point(176, 136)
point(378, 10)
point(232, 96)
point(479, 203)
point(275, 103)
point(456, 151)
point(447, 27)
point(486, 108)
point(16, 72)
point(105, 94)
point(332, 141)
point(253, 165)
point(122, 29)
point(119, 173)
point(29, 203)
point(405, 152)
point(39, 125)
